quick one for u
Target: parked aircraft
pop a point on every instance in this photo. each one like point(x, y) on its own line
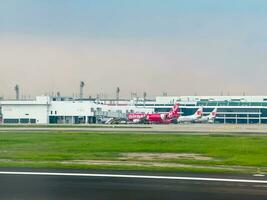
point(191, 118)
point(209, 118)
point(158, 118)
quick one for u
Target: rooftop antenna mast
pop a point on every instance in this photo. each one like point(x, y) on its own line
point(82, 84)
point(17, 91)
point(117, 95)
point(144, 96)
point(58, 94)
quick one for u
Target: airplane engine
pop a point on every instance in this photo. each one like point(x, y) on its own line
point(174, 121)
point(136, 121)
point(163, 116)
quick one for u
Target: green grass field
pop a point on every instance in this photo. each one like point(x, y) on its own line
point(86, 150)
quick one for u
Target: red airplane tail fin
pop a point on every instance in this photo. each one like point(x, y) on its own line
point(213, 113)
point(174, 112)
point(199, 112)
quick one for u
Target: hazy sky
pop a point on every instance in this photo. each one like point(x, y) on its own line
point(183, 47)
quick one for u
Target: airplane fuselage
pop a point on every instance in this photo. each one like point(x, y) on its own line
point(190, 118)
point(159, 118)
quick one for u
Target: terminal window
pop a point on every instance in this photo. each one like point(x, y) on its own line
point(11, 121)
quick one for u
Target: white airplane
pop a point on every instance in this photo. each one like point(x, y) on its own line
point(191, 118)
point(209, 118)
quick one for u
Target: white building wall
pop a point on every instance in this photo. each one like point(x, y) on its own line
point(192, 99)
point(35, 109)
point(27, 111)
point(126, 109)
point(71, 108)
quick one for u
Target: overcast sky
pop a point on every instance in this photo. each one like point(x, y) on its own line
point(183, 47)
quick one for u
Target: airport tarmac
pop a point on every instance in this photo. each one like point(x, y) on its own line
point(68, 185)
point(171, 128)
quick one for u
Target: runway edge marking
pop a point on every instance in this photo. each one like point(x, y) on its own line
point(135, 176)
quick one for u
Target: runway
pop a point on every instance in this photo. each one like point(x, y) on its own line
point(56, 184)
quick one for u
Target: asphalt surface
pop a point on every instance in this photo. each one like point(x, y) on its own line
point(198, 129)
point(25, 186)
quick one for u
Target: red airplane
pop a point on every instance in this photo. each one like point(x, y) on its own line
point(165, 118)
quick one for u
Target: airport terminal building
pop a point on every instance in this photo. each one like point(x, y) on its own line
point(61, 110)
point(231, 109)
